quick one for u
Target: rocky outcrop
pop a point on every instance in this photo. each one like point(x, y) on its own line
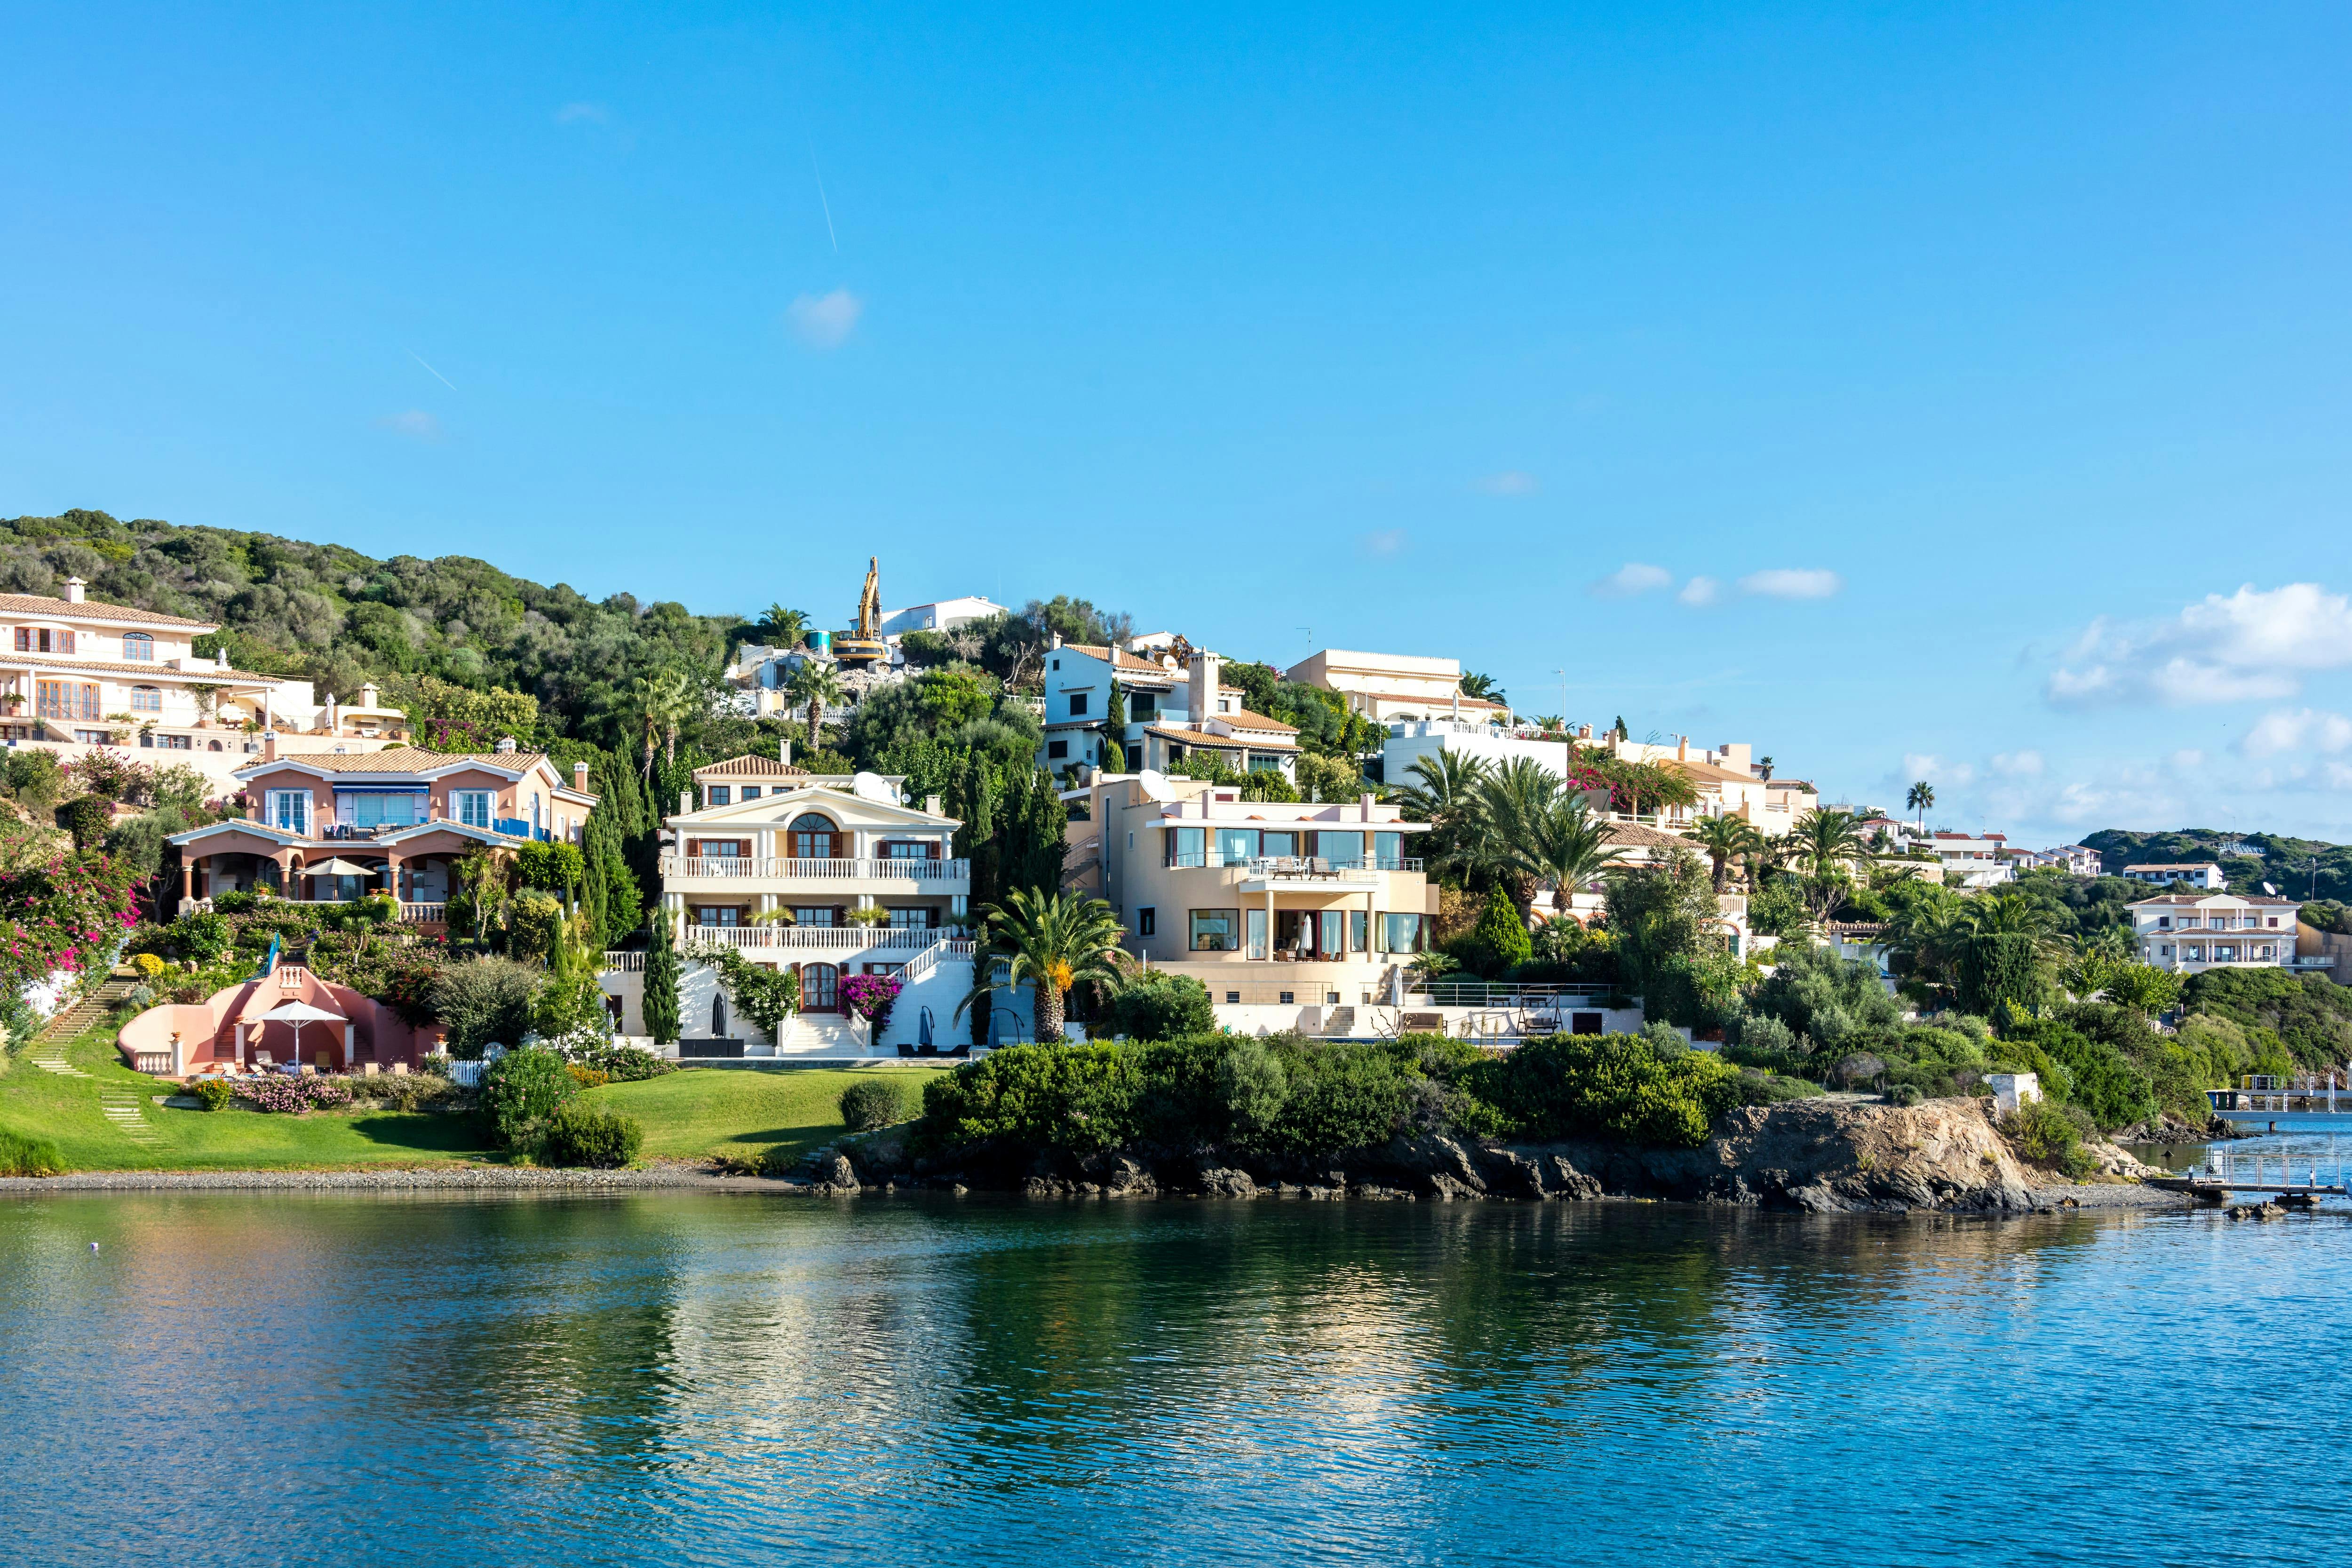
point(1817, 1155)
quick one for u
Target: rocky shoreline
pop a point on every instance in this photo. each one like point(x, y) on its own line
point(1811, 1156)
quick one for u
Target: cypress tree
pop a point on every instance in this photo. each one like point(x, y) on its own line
point(661, 986)
point(1033, 835)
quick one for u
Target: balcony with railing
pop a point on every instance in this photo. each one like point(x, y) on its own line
point(922, 874)
point(832, 939)
point(1294, 865)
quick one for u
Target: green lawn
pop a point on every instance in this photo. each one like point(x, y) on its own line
point(728, 1110)
point(706, 1111)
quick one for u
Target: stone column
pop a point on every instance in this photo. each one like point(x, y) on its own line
point(188, 879)
point(392, 875)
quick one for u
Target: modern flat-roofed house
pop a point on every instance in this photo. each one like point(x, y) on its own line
point(2197, 874)
point(1172, 706)
point(944, 616)
point(1388, 686)
point(1971, 860)
point(1291, 906)
point(2192, 932)
point(335, 825)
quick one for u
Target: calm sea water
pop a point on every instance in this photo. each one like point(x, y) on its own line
point(723, 1379)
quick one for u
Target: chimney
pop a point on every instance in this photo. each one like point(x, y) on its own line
point(506, 744)
point(270, 745)
point(1682, 748)
point(368, 697)
point(931, 805)
point(1368, 802)
point(1057, 640)
point(1201, 690)
point(785, 750)
point(580, 777)
point(1584, 731)
point(686, 803)
point(74, 586)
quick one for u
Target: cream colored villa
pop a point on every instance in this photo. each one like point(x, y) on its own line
point(1304, 904)
point(2189, 934)
point(73, 671)
point(832, 878)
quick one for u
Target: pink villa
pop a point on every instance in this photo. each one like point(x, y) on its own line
point(322, 1024)
point(333, 825)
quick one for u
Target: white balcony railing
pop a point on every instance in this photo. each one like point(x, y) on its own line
point(826, 938)
point(424, 914)
point(846, 870)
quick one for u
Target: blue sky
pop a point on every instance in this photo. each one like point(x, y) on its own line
point(1987, 366)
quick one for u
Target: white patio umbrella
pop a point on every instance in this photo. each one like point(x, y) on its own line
point(340, 868)
point(299, 1014)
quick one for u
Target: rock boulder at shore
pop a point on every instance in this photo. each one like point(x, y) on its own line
point(1823, 1156)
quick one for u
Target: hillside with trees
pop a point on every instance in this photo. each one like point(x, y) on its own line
point(2279, 859)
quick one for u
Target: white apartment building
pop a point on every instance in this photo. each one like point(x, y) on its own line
point(1395, 686)
point(1173, 705)
point(944, 616)
point(2189, 934)
point(1971, 860)
point(2197, 874)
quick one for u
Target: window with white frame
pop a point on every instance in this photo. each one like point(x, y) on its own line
point(471, 808)
point(288, 810)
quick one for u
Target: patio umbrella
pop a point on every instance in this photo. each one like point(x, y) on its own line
point(339, 869)
point(299, 1014)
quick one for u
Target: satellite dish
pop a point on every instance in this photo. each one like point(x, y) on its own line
point(2271, 890)
point(873, 786)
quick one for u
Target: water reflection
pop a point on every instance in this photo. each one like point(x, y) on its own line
point(711, 1379)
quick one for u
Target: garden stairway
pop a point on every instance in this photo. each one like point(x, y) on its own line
point(48, 1050)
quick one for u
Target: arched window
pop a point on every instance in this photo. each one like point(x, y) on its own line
point(146, 699)
point(138, 648)
point(813, 837)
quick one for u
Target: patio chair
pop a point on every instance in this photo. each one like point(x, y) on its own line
point(262, 1059)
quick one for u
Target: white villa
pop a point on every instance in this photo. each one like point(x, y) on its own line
point(2189, 934)
point(1383, 686)
point(73, 671)
point(2197, 874)
point(1174, 706)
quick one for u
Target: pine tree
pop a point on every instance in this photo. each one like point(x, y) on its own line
point(660, 1006)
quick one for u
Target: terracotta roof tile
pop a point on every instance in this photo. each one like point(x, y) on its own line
point(67, 664)
point(91, 610)
point(752, 766)
point(402, 760)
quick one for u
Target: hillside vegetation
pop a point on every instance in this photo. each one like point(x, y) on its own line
point(2278, 858)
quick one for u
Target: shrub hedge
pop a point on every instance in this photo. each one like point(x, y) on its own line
point(24, 1155)
point(872, 1103)
point(583, 1135)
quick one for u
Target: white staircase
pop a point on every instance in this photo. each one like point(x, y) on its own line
point(822, 1034)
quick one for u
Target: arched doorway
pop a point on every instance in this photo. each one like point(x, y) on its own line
point(820, 988)
point(813, 837)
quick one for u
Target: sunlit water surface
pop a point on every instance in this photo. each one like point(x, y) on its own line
point(730, 1379)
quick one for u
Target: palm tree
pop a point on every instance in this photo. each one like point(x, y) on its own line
point(1474, 684)
point(1513, 803)
point(818, 684)
point(1726, 839)
point(1765, 763)
point(1054, 941)
point(1443, 793)
point(1823, 843)
point(1922, 796)
point(787, 626)
point(1569, 847)
point(666, 699)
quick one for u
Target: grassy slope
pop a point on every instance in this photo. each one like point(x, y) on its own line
point(716, 1111)
point(706, 1111)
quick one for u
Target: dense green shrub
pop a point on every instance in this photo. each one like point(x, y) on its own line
point(1611, 1086)
point(1499, 943)
point(521, 1092)
point(22, 1155)
point(198, 939)
point(622, 1064)
point(584, 1134)
point(2310, 1016)
point(873, 1103)
point(215, 1093)
point(2100, 1080)
point(1160, 1006)
point(485, 1002)
point(1080, 1099)
point(1830, 1000)
point(1339, 1095)
point(2046, 1135)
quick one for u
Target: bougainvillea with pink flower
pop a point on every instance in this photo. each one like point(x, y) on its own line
point(292, 1096)
point(66, 915)
point(871, 996)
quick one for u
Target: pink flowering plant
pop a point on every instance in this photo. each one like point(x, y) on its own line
point(67, 915)
point(293, 1095)
point(871, 996)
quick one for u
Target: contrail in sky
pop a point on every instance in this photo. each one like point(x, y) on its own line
point(820, 201)
point(437, 375)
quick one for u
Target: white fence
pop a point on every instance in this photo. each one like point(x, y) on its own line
point(843, 870)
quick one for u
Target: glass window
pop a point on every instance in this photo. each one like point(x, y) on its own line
point(1388, 848)
point(289, 809)
point(1401, 933)
point(1188, 847)
point(812, 837)
point(1331, 937)
point(906, 849)
point(64, 699)
point(471, 808)
point(1236, 846)
point(380, 810)
point(1057, 749)
point(719, 915)
point(1264, 762)
point(721, 795)
point(1216, 931)
point(910, 919)
point(813, 917)
point(1142, 706)
point(146, 699)
point(1147, 921)
point(1258, 933)
point(1359, 922)
point(1341, 848)
point(138, 648)
point(1078, 704)
point(1279, 844)
point(750, 792)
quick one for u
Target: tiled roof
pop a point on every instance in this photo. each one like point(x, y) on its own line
point(1634, 835)
point(66, 665)
point(91, 610)
point(750, 767)
point(1707, 771)
point(1790, 783)
point(402, 760)
point(1229, 743)
point(2212, 898)
point(1242, 719)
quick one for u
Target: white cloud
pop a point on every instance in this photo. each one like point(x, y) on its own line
point(2254, 645)
point(1510, 482)
point(1700, 591)
point(1634, 578)
point(577, 113)
point(2023, 764)
point(825, 320)
point(1934, 770)
point(2188, 760)
point(2280, 733)
point(1384, 541)
point(415, 424)
point(1792, 582)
